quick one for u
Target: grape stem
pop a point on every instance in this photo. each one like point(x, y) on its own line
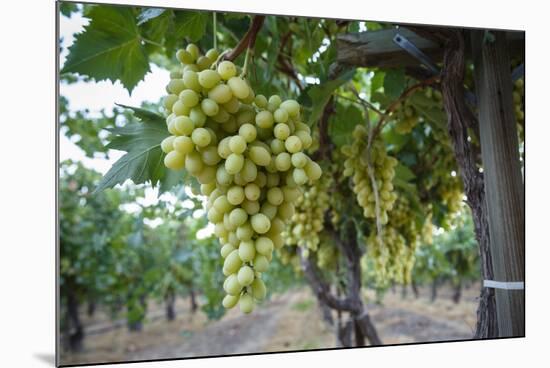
point(214, 30)
point(248, 39)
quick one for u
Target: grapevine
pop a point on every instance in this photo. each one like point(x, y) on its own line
point(356, 165)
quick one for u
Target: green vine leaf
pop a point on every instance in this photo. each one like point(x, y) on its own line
point(190, 24)
point(109, 48)
point(320, 94)
point(144, 160)
point(394, 83)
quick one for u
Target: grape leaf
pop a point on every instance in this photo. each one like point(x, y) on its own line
point(109, 48)
point(67, 8)
point(148, 14)
point(394, 82)
point(342, 123)
point(190, 24)
point(320, 94)
point(144, 160)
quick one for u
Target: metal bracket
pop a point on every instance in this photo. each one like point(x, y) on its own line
point(415, 52)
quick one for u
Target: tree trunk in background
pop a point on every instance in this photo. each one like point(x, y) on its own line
point(137, 326)
point(344, 334)
point(194, 305)
point(457, 292)
point(351, 301)
point(403, 291)
point(91, 308)
point(460, 119)
point(170, 300)
point(326, 312)
point(76, 331)
point(433, 296)
point(415, 289)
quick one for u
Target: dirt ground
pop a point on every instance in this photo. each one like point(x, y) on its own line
point(291, 321)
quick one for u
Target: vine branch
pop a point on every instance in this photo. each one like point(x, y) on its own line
point(248, 39)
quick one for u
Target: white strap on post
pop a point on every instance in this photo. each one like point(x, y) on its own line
point(509, 285)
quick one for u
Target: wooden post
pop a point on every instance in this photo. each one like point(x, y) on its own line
point(503, 181)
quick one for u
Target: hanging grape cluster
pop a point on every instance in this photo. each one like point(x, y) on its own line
point(307, 222)
point(247, 152)
point(519, 110)
point(356, 165)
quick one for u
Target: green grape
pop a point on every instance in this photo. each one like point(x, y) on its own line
point(226, 70)
point(234, 163)
point(209, 107)
point(260, 223)
point(260, 101)
point(237, 144)
point(264, 119)
point(193, 163)
point(183, 145)
point(175, 86)
point(293, 144)
point(212, 54)
point(184, 57)
point(174, 160)
point(239, 87)
point(179, 108)
point(273, 103)
point(167, 144)
point(246, 303)
point(203, 62)
point(232, 262)
point(201, 137)
point(229, 301)
point(264, 245)
point(252, 191)
point(221, 94)
point(193, 50)
point(292, 108)
point(260, 156)
point(226, 249)
point(281, 131)
point(184, 125)
point(238, 217)
point(283, 161)
point(247, 251)
point(248, 132)
point(245, 276)
point(232, 285)
point(258, 289)
point(189, 98)
point(208, 78)
point(261, 263)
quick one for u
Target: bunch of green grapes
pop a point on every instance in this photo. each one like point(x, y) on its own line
point(403, 218)
point(392, 258)
point(406, 117)
point(356, 165)
point(519, 109)
point(307, 222)
point(289, 256)
point(428, 229)
point(452, 195)
point(327, 255)
point(247, 152)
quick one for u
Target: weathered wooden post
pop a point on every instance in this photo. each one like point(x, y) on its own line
point(503, 181)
